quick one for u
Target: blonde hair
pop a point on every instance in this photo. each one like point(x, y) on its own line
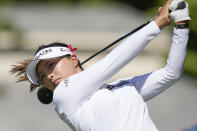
point(19, 70)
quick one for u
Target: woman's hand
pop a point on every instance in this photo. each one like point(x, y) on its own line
point(163, 18)
point(179, 16)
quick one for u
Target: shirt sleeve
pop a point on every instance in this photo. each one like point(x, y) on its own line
point(152, 84)
point(71, 94)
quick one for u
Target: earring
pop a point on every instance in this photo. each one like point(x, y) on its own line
point(45, 95)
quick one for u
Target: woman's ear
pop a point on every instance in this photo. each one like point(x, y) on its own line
point(75, 60)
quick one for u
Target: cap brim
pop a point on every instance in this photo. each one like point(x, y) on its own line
point(31, 72)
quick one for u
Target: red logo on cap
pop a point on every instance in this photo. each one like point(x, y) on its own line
point(72, 49)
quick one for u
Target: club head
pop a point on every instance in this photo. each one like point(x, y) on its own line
point(45, 95)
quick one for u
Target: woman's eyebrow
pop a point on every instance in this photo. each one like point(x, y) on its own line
point(46, 63)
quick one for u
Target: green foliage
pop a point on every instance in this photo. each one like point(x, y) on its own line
point(140, 4)
point(49, 1)
point(5, 25)
point(191, 63)
point(193, 10)
point(192, 43)
point(193, 26)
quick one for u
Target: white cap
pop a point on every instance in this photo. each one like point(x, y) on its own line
point(46, 53)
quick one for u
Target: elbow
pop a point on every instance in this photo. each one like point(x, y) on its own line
point(178, 76)
point(173, 76)
point(172, 72)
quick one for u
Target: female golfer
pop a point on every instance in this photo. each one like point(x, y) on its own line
point(84, 100)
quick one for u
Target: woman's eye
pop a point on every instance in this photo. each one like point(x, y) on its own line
point(51, 65)
point(43, 76)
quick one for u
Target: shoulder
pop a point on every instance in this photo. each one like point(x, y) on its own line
point(60, 90)
point(63, 91)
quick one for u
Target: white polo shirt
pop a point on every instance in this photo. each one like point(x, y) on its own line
point(86, 103)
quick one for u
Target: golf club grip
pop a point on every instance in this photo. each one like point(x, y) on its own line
point(181, 5)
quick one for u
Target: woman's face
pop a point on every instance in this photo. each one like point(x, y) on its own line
point(52, 72)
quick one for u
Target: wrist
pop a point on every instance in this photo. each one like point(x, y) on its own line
point(182, 22)
point(162, 22)
point(181, 25)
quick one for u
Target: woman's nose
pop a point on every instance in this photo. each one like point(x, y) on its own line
point(50, 76)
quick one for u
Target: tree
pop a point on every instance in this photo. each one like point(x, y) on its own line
point(140, 4)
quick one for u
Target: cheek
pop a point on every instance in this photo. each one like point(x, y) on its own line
point(64, 69)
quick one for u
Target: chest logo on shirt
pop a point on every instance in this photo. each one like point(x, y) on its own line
point(66, 82)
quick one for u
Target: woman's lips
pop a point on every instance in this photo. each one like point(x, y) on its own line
point(57, 81)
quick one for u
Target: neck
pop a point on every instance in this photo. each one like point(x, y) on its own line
point(78, 69)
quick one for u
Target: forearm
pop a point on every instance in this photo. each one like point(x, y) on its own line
point(152, 84)
point(177, 53)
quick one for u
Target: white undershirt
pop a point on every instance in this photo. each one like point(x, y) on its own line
point(85, 106)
